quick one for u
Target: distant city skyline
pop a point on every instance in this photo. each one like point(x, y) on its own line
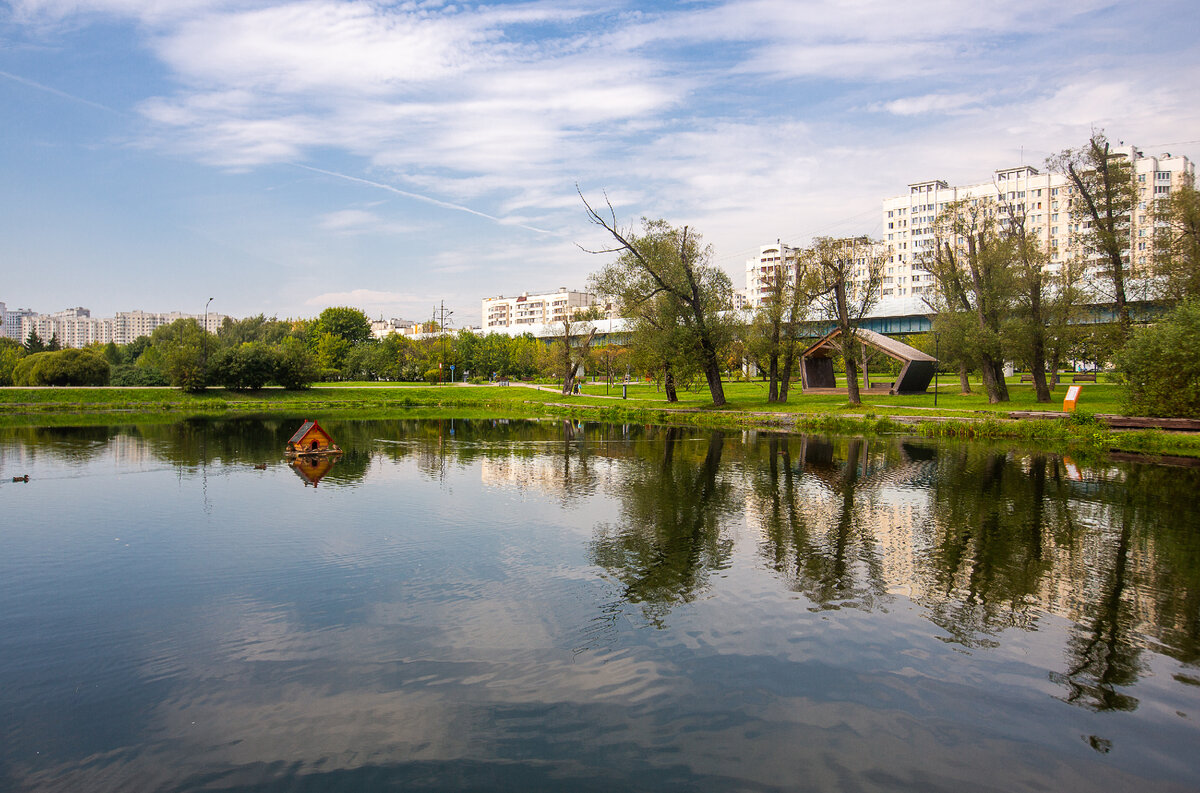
point(282, 157)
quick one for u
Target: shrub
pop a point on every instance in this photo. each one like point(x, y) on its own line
point(433, 376)
point(1161, 365)
point(128, 374)
point(295, 366)
point(246, 367)
point(62, 367)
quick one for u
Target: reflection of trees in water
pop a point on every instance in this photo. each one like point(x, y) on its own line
point(995, 540)
point(669, 537)
point(70, 444)
point(988, 551)
point(816, 499)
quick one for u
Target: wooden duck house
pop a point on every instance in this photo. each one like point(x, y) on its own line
point(311, 440)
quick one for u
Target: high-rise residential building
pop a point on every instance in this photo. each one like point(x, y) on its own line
point(1043, 199)
point(76, 327)
point(536, 308)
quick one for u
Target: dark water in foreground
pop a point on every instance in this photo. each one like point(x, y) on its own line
point(549, 606)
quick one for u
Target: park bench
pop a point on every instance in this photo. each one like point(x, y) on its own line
point(1028, 378)
point(1084, 377)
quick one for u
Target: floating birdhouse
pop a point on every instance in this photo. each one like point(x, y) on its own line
point(311, 440)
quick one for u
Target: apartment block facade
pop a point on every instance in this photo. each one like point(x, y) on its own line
point(907, 224)
point(1042, 198)
point(533, 308)
point(76, 327)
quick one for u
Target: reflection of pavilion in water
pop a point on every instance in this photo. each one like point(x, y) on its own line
point(312, 469)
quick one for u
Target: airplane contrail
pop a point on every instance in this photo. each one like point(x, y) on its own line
point(56, 92)
point(419, 197)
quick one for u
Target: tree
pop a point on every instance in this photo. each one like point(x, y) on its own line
point(972, 265)
point(1177, 242)
point(1161, 366)
point(70, 367)
point(1101, 202)
point(180, 347)
point(578, 333)
point(344, 322)
point(295, 366)
point(776, 330)
point(1037, 331)
point(10, 353)
point(246, 367)
point(666, 260)
point(848, 272)
point(34, 343)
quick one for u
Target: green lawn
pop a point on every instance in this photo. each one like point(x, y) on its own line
point(1094, 398)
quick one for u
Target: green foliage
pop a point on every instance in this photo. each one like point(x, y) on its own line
point(1177, 242)
point(331, 350)
point(234, 332)
point(295, 366)
point(182, 346)
point(10, 353)
point(133, 375)
point(433, 376)
point(69, 367)
point(246, 367)
point(1161, 364)
point(34, 343)
point(343, 322)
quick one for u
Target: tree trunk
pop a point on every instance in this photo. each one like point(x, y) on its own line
point(712, 370)
point(669, 383)
point(785, 379)
point(964, 381)
point(773, 376)
point(996, 390)
point(852, 381)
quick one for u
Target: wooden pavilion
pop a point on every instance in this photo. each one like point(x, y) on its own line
point(816, 363)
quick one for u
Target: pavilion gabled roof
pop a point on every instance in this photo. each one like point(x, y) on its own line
point(885, 344)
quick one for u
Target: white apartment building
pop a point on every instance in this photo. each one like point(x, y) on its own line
point(537, 308)
point(765, 271)
point(908, 224)
point(76, 327)
point(1042, 197)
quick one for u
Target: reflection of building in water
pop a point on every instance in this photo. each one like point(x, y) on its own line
point(548, 472)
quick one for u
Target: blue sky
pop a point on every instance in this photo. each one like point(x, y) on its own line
point(282, 157)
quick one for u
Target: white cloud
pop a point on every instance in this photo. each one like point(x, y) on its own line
point(931, 103)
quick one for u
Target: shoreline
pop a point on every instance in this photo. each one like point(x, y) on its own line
point(1079, 433)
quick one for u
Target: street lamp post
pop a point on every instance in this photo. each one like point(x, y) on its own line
point(204, 342)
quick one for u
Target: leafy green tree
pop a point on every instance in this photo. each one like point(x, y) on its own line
point(250, 329)
point(113, 354)
point(848, 273)
point(332, 351)
point(181, 346)
point(973, 266)
point(1162, 367)
point(246, 367)
point(54, 345)
point(344, 322)
point(1101, 201)
point(70, 367)
point(134, 349)
point(34, 343)
point(10, 352)
point(662, 259)
point(295, 365)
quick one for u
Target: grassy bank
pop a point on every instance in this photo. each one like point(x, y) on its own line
point(960, 416)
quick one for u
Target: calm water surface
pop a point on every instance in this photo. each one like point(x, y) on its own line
point(554, 606)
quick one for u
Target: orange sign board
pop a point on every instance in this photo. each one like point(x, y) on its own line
point(1072, 398)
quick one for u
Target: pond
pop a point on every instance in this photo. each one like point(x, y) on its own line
point(550, 605)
